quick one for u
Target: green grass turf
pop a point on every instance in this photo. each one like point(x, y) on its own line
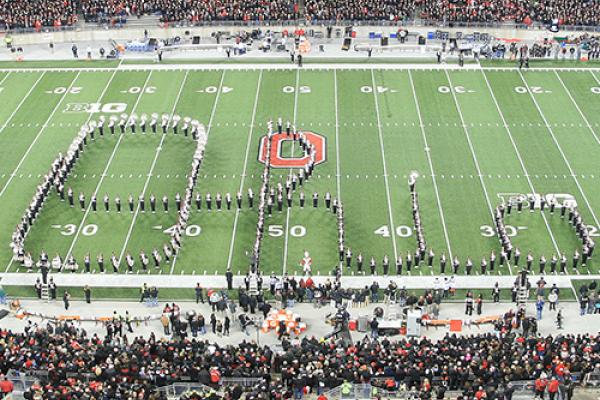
point(383, 120)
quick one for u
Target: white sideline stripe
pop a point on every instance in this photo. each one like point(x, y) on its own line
point(288, 209)
point(523, 167)
point(208, 128)
point(38, 135)
point(22, 100)
point(551, 131)
point(149, 176)
point(310, 66)
point(577, 107)
point(250, 133)
point(432, 172)
point(218, 281)
point(385, 174)
point(108, 164)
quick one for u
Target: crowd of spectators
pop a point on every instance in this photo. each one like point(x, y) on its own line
point(39, 13)
point(192, 11)
point(36, 13)
point(360, 10)
point(92, 367)
point(519, 11)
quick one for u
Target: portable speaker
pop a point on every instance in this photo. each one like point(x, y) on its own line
point(347, 44)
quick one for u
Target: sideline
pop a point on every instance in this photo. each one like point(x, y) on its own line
point(309, 67)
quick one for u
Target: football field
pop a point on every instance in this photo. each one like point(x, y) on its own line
point(475, 138)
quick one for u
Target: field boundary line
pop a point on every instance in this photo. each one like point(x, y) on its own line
point(288, 209)
point(430, 161)
point(14, 112)
point(209, 127)
point(275, 65)
point(577, 107)
point(385, 174)
point(39, 134)
point(518, 153)
point(250, 134)
point(108, 164)
point(562, 153)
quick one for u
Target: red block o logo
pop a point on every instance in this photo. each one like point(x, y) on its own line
point(277, 159)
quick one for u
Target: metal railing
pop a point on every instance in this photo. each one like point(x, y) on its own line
point(23, 380)
point(180, 388)
point(244, 382)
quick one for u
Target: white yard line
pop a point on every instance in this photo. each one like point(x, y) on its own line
point(578, 109)
point(22, 100)
point(472, 149)
point(337, 149)
point(288, 209)
point(250, 133)
point(562, 153)
point(210, 124)
point(431, 170)
point(151, 171)
point(337, 138)
point(385, 174)
point(518, 153)
point(5, 77)
point(12, 175)
point(108, 164)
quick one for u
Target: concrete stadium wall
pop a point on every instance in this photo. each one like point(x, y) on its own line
point(131, 33)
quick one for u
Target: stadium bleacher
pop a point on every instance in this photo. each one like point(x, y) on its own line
point(57, 13)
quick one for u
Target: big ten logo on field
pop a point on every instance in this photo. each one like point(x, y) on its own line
point(279, 160)
point(108, 108)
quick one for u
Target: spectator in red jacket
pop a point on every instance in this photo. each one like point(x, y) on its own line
point(540, 386)
point(553, 388)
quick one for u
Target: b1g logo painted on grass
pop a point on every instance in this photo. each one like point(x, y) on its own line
point(278, 160)
point(108, 108)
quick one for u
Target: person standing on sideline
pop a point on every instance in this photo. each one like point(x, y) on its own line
point(479, 303)
point(539, 307)
point(552, 300)
point(87, 292)
point(164, 320)
point(199, 293)
point(374, 328)
point(229, 277)
point(66, 298)
point(469, 303)
point(226, 326)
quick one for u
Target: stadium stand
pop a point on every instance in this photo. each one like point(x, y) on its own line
point(57, 13)
point(36, 13)
point(111, 367)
